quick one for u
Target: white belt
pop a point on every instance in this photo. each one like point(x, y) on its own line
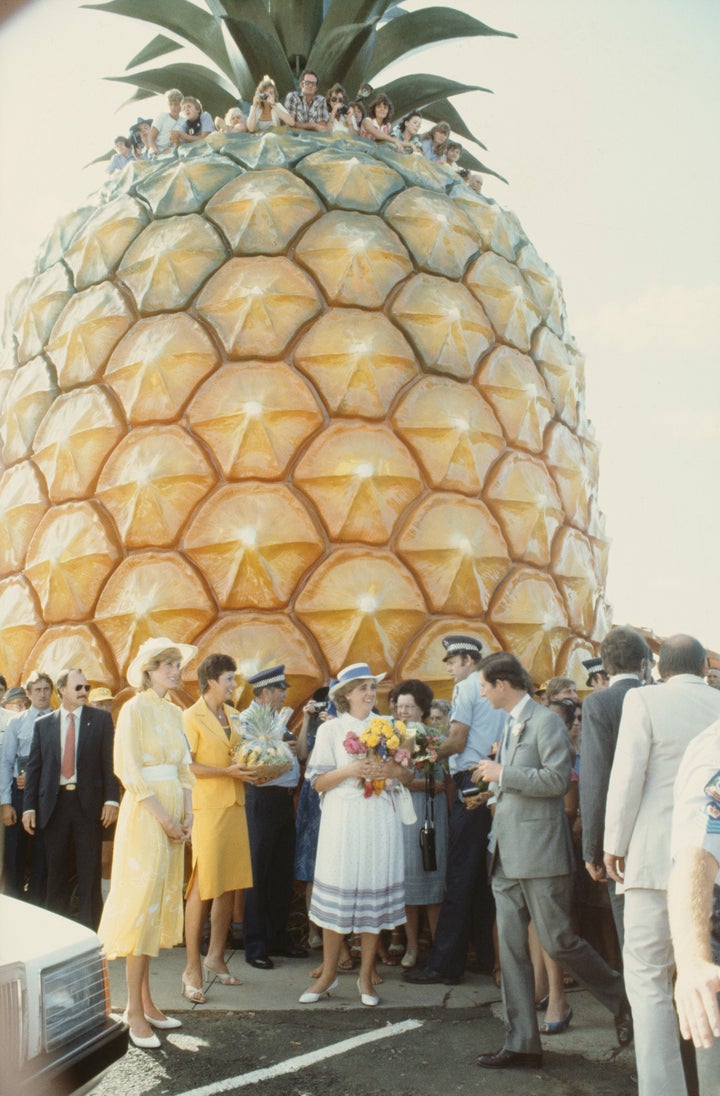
point(159, 772)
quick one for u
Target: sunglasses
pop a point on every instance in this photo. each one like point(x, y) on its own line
point(82, 688)
point(337, 98)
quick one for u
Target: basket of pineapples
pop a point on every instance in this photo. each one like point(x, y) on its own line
point(262, 748)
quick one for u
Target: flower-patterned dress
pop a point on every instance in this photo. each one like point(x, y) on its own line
point(144, 910)
point(359, 881)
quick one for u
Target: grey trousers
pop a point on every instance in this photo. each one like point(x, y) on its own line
point(547, 902)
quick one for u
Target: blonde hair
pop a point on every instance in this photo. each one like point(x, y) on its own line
point(267, 82)
point(170, 654)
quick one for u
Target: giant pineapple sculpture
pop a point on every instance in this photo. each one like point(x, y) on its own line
point(295, 397)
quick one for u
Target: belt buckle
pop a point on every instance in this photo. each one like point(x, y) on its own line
point(70, 787)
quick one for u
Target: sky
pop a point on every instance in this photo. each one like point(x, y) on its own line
point(603, 118)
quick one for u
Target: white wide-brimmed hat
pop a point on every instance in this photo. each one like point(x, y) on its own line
point(358, 671)
point(147, 652)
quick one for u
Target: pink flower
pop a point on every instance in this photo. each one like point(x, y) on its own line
point(402, 757)
point(353, 745)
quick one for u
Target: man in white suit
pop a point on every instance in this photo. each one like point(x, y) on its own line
point(657, 724)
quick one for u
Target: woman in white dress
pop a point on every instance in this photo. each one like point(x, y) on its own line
point(359, 877)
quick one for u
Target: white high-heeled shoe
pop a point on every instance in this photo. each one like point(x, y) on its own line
point(310, 998)
point(166, 1024)
point(145, 1042)
point(368, 999)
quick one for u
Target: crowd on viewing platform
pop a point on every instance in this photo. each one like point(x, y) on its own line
point(513, 831)
point(366, 117)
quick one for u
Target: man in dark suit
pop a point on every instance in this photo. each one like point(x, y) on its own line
point(624, 652)
point(71, 793)
point(532, 864)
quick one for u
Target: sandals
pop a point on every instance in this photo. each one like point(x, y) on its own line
point(225, 978)
point(192, 993)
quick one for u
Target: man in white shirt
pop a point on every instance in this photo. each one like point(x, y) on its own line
point(72, 793)
point(533, 864)
point(657, 724)
point(165, 122)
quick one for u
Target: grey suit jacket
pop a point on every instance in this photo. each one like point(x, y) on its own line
point(601, 714)
point(532, 835)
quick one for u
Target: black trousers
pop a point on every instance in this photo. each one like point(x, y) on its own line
point(18, 844)
point(468, 911)
point(271, 829)
point(70, 828)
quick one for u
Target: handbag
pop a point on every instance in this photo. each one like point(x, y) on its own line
point(427, 833)
point(404, 802)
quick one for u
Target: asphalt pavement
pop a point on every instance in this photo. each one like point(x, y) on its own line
point(420, 1040)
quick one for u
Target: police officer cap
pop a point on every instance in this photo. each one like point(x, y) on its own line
point(461, 645)
point(274, 676)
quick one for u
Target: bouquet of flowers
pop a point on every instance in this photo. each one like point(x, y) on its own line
point(262, 747)
point(425, 743)
point(379, 739)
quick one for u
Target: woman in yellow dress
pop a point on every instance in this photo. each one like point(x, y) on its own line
point(144, 911)
point(220, 847)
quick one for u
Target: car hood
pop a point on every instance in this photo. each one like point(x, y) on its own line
point(29, 932)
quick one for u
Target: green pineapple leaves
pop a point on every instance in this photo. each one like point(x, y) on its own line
point(242, 40)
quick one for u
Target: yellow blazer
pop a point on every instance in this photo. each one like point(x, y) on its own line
point(210, 746)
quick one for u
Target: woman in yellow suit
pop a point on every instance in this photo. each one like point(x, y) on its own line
point(220, 848)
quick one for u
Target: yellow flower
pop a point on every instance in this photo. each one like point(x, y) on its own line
point(393, 742)
point(400, 727)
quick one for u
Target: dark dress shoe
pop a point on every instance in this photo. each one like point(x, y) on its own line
point(425, 976)
point(261, 963)
point(510, 1059)
point(292, 953)
point(624, 1024)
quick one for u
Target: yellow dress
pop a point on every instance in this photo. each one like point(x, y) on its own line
point(220, 845)
point(144, 910)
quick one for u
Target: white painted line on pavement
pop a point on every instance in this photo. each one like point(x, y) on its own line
point(303, 1060)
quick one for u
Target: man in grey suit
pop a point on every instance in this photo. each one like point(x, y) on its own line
point(532, 864)
point(624, 652)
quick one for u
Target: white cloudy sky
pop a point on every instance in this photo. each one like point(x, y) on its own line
point(604, 119)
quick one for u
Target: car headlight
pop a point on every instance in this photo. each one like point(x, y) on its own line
point(74, 997)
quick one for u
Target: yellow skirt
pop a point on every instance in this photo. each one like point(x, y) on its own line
point(220, 851)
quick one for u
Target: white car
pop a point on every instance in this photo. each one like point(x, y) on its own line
point(56, 1033)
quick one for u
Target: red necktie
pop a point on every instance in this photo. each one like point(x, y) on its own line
point(67, 768)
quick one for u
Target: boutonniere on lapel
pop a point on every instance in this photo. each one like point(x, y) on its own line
point(517, 731)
